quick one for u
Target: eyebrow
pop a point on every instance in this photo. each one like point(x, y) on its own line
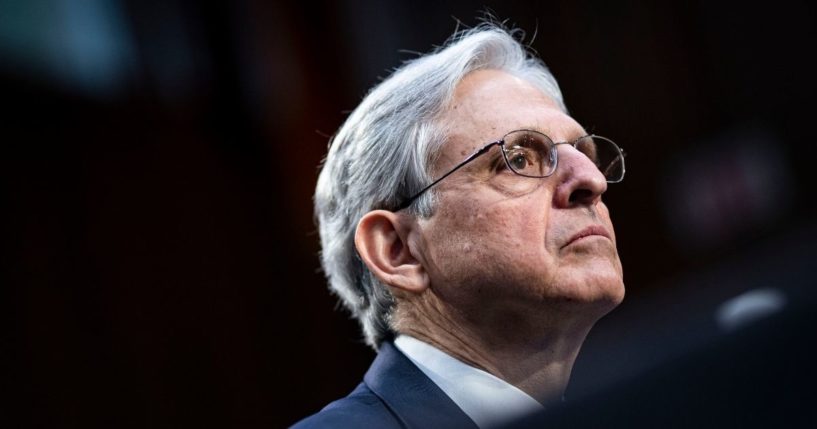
point(582, 131)
point(535, 128)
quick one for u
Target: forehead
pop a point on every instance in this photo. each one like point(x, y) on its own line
point(489, 103)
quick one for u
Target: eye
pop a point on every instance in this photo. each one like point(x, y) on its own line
point(524, 160)
point(519, 161)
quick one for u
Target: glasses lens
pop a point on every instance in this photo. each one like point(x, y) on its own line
point(605, 154)
point(530, 153)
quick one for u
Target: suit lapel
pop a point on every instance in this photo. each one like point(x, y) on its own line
point(411, 396)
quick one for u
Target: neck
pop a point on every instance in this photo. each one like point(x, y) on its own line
point(534, 354)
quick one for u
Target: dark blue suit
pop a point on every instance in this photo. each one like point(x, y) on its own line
point(394, 394)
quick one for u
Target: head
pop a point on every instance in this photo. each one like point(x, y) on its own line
point(472, 241)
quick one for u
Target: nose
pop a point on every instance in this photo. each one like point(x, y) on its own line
point(579, 181)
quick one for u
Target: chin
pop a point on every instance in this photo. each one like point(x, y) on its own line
point(594, 293)
point(607, 288)
point(612, 298)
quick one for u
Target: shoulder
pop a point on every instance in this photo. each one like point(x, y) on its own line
point(362, 408)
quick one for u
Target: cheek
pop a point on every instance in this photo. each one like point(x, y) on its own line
point(464, 228)
point(473, 233)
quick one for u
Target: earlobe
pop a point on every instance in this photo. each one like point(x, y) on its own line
point(382, 242)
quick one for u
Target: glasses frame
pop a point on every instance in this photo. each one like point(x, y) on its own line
point(501, 143)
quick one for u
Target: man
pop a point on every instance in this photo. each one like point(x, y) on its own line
point(461, 221)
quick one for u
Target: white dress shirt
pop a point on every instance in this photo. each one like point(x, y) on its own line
point(488, 400)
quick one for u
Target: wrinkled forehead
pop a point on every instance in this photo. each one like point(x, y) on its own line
point(487, 104)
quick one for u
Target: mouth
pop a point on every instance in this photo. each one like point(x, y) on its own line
point(590, 231)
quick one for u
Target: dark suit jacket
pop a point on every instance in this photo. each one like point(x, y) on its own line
point(394, 394)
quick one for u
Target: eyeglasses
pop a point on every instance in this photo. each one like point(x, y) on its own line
point(529, 153)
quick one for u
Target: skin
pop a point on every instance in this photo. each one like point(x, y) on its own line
point(495, 277)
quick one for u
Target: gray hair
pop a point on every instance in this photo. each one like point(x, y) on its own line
point(382, 153)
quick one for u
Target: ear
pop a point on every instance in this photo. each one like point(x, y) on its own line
point(382, 242)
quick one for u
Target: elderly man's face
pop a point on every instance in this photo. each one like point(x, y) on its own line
point(508, 243)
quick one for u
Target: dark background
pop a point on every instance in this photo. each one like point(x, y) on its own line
point(158, 160)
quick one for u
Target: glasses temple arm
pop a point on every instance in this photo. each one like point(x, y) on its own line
point(460, 165)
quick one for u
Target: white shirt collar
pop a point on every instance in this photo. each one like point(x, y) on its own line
point(488, 400)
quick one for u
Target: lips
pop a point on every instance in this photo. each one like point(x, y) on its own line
point(593, 230)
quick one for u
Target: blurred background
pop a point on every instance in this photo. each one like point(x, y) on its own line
point(158, 160)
